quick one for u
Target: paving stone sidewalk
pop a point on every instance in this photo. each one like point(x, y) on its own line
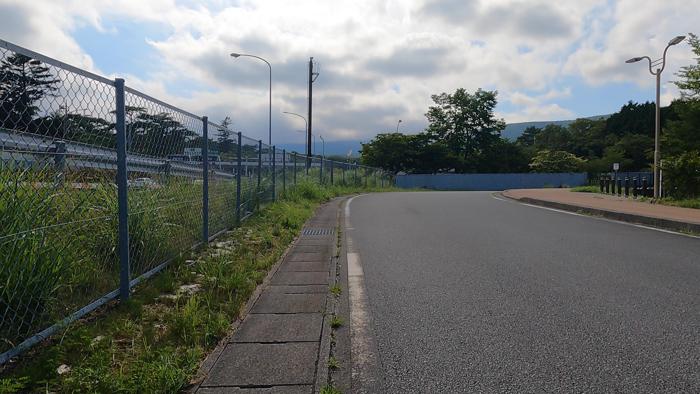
point(620, 208)
point(277, 347)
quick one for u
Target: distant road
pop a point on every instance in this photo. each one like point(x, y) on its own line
point(471, 294)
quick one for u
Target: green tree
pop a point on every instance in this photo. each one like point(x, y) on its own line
point(689, 84)
point(556, 161)
point(528, 137)
point(553, 137)
point(224, 140)
point(430, 156)
point(156, 134)
point(504, 156)
point(390, 151)
point(466, 123)
point(23, 83)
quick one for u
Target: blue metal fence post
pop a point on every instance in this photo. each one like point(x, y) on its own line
point(284, 170)
point(122, 192)
point(274, 175)
point(205, 180)
point(238, 179)
point(294, 155)
point(331, 172)
point(320, 173)
point(259, 166)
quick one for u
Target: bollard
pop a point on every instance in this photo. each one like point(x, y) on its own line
point(613, 183)
point(645, 185)
point(634, 187)
point(601, 182)
point(627, 186)
point(607, 185)
point(619, 186)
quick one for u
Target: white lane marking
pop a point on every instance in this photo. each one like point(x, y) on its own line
point(365, 359)
point(661, 230)
point(354, 266)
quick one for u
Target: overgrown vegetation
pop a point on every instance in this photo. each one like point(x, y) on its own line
point(155, 342)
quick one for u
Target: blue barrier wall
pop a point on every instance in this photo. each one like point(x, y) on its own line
point(490, 181)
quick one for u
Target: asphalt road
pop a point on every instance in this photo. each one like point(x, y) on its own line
point(471, 294)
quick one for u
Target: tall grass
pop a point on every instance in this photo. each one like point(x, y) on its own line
point(58, 243)
point(33, 259)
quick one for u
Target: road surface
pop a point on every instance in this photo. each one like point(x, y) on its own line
point(468, 293)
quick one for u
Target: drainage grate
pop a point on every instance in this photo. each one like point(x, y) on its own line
point(317, 231)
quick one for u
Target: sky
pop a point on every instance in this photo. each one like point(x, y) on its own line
point(379, 61)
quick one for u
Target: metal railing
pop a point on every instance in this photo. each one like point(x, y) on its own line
point(102, 186)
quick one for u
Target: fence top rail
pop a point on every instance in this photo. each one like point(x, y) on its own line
point(45, 59)
point(218, 126)
point(159, 102)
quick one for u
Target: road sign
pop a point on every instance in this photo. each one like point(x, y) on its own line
point(616, 166)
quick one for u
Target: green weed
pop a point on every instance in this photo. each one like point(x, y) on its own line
point(337, 322)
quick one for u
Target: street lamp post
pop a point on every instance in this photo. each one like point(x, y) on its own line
point(659, 64)
point(269, 115)
point(306, 124)
point(323, 146)
point(397, 125)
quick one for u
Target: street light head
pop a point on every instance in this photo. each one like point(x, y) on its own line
point(676, 40)
point(235, 54)
point(634, 60)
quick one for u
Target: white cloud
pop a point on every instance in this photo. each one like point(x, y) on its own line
point(634, 30)
point(537, 108)
point(380, 61)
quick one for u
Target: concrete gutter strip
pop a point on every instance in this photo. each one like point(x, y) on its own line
point(282, 341)
point(666, 224)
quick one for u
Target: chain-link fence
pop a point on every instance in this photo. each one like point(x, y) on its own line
point(101, 186)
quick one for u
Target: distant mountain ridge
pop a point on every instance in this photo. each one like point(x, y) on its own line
point(511, 132)
point(514, 130)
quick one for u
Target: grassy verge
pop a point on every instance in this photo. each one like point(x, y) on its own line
point(687, 203)
point(156, 341)
point(586, 189)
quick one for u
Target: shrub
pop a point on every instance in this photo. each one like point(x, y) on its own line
point(682, 175)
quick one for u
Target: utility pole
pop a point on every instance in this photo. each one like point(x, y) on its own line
point(312, 77)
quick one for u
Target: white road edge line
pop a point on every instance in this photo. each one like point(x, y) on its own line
point(365, 359)
point(661, 230)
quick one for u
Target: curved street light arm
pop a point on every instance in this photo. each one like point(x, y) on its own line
point(295, 114)
point(651, 70)
point(269, 66)
point(663, 59)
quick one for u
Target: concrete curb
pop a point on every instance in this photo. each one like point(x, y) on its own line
point(666, 224)
point(324, 352)
point(340, 378)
